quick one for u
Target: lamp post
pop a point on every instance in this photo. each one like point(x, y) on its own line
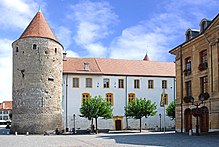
point(197, 104)
point(74, 123)
point(160, 121)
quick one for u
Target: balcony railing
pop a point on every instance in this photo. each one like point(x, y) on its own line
point(203, 66)
point(187, 72)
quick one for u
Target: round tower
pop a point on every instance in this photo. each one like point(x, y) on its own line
point(37, 79)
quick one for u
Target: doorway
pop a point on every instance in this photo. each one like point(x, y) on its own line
point(188, 119)
point(118, 124)
point(204, 119)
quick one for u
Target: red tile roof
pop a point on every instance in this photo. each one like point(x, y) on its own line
point(109, 66)
point(6, 105)
point(38, 27)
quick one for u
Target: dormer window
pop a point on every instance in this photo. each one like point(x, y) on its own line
point(34, 46)
point(191, 33)
point(203, 24)
point(188, 36)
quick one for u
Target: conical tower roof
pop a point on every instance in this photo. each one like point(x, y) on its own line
point(38, 27)
point(146, 58)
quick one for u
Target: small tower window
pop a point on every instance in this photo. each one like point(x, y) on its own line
point(17, 49)
point(34, 46)
point(55, 50)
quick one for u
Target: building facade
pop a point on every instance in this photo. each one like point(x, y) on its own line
point(119, 82)
point(197, 77)
point(5, 110)
point(37, 79)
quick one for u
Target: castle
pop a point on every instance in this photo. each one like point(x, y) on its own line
point(45, 84)
point(37, 79)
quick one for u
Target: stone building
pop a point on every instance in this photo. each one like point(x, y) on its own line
point(118, 81)
point(37, 79)
point(197, 79)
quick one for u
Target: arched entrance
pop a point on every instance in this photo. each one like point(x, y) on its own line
point(204, 119)
point(188, 119)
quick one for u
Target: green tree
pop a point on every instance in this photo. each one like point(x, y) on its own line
point(140, 108)
point(171, 109)
point(96, 107)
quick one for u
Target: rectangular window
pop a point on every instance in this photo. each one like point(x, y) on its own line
point(85, 96)
point(164, 98)
point(0, 117)
point(121, 83)
point(75, 83)
point(188, 68)
point(106, 83)
point(164, 84)
point(88, 82)
point(188, 63)
point(204, 84)
point(136, 83)
point(203, 57)
point(5, 112)
point(188, 88)
point(5, 117)
point(131, 97)
point(150, 84)
point(109, 98)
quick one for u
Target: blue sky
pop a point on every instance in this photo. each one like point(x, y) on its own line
point(124, 29)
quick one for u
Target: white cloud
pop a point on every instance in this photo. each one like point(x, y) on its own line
point(5, 69)
point(163, 29)
point(93, 20)
point(64, 36)
point(16, 13)
point(70, 53)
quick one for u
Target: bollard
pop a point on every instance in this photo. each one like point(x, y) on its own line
point(16, 133)
point(190, 132)
point(27, 133)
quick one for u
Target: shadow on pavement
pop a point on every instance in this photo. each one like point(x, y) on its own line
point(167, 139)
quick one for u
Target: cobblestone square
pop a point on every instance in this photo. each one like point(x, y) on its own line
point(121, 139)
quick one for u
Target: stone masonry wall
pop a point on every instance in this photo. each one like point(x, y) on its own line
point(37, 89)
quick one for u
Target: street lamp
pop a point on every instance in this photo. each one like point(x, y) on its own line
point(74, 123)
point(197, 104)
point(160, 121)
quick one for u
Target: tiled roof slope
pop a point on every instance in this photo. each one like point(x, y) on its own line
point(38, 27)
point(76, 65)
point(109, 66)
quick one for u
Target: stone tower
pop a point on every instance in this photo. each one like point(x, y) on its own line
point(37, 79)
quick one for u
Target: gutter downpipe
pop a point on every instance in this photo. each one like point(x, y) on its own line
point(66, 102)
point(181, 67)
point(126, 99)
point(212, 79)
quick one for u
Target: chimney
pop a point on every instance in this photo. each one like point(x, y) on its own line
point(64, 56)
point(86, 66)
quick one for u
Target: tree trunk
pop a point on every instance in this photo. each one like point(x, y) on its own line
point(92, 125)
point(96, 126)
point(140, 124)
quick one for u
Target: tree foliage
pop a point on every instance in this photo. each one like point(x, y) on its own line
point(96, 107)
point(140, 108)
point(171, 109)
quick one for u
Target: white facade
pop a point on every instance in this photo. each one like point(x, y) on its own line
point(72, 99)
